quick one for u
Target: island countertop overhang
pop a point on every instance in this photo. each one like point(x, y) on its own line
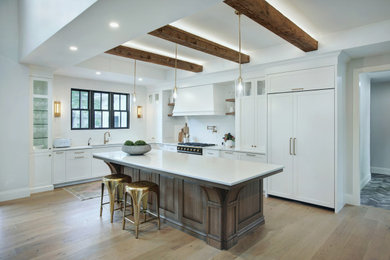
point(221, 172)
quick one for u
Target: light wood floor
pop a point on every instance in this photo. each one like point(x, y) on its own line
point(56, 225)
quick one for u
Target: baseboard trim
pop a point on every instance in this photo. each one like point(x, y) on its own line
point(64, 184)
point(14, 194)
point(41, 189)
point(365, 181)
point(380, 170)
point(349, 199)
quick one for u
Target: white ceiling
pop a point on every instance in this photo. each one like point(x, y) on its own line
point(219, 23)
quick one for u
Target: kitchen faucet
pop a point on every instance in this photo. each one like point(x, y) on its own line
point(89, 141)
point(106, 140)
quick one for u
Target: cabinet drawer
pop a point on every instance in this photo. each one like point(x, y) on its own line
point(316, 78)
point(211, 153)
point(253, 157)
point(79, 154)
point(170, 148)
point(230, 155)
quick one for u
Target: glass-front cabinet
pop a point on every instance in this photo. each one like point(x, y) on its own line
point(252, 116)
point(41, 114)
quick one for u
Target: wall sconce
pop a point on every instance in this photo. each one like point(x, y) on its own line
point(139, 111)
point(57, 108)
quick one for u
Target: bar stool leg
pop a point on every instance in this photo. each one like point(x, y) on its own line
point(144, 206)
point(111, 187)
point(101, 200)
point(137, 200)
point(124, 209)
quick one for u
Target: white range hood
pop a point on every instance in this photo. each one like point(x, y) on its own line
point(200, 101)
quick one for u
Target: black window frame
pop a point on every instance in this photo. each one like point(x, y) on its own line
point(120, 110)
point(80, 109)
point(93, 92)
point(91, 109)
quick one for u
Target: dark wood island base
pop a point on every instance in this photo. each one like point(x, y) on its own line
point(218, 214)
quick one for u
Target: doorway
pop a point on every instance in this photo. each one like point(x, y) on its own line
point(374, 139)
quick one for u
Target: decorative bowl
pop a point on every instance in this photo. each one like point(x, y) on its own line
point(136, 149)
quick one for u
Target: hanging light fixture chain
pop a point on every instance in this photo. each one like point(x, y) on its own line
point(175, 64)
point(239, 41)
point(135, 73)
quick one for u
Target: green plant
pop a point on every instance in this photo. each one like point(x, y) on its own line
point(228, 136)
point(129, 143)
point(140, 142)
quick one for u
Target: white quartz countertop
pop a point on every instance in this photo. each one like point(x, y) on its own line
point(211, 169)
point(82, 147)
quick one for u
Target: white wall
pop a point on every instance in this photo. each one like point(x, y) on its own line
point(61, 126)
point(365, 100)
point(380, 127)
point(198, 128)
point(14, 109)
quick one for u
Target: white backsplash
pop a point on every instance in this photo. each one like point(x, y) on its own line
point(198, 128)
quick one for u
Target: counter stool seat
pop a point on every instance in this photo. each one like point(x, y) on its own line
point(138, 192)
point(115, 184)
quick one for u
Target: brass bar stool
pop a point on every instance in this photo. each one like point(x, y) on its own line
point(138, 192)
point(115, 184)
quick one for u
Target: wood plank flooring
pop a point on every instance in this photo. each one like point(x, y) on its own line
point(56, 225)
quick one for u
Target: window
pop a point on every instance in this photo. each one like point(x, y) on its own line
point(80, 109)
point(121, 115)
point(99, 110)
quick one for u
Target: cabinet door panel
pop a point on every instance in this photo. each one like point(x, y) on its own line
point(314, 147)
point(261, 123)
point(247, 122)
point(59, 167)
point(42, 170)
point(280, 126)
point(78, 165)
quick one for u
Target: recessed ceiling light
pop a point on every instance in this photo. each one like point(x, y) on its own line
point(73, 48)
point(114, 24)
point(140, 79)
point(98, 73)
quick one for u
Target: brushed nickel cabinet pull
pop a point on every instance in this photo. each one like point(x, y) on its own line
point(229, 152)
point(290, 146)
point(59, 152)
point(79, 157)
point(249, 154)
point(294, 140)
point(78, 152)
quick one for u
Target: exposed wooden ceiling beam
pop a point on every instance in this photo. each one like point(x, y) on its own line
point(193, 41)
point(132, 53)
point(266, 15)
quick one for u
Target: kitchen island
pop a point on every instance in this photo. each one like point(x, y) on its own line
point(215, 199)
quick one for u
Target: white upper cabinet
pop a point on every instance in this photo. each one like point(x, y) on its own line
point(310, 79)
point(41, 114)
point(253, 116)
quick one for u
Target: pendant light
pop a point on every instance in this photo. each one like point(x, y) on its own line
point(135, 76)
point(175, 87)
point(239, 79)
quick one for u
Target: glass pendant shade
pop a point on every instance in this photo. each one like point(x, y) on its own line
point(175, 92)
point(134, 97)
point(239, 85)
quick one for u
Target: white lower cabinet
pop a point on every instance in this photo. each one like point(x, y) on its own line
point(210, 153)
point(302, 139)
point(253, 157)
point(59, 167)
point(40, 178)
point(99, 167)
point(230, 155)
point(170, 148)
point(78, 165)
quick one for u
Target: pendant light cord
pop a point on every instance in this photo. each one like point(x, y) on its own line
point(239, 41)
point(175, 65)
point(135, 73)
